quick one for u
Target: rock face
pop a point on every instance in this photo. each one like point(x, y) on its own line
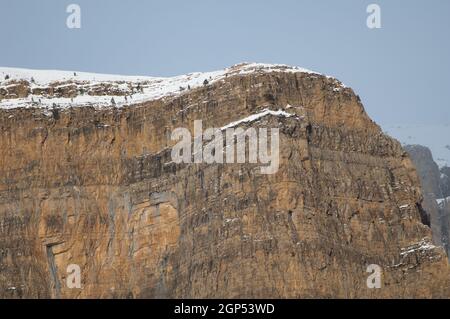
point(427, 169)
point(97, 187)
point(445, 182)
point(434, 185)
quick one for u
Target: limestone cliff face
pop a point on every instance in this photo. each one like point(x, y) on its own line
point(97, 187)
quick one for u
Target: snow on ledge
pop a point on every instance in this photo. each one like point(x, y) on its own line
point(422, 246)
point(254, 117)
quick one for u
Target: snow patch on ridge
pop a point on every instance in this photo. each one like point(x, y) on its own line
point(254, 117)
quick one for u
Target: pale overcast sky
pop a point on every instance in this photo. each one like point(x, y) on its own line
point(401, 71)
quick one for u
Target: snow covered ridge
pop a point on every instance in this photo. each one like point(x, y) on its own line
point(63, 89)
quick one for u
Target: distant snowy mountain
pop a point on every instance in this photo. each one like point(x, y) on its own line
point(435, 137)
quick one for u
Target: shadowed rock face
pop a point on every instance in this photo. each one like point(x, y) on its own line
point(427, 169)
point(98, 188)
point(445, 182)
point(434, 186)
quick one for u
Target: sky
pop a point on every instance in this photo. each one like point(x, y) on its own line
point(401, 71)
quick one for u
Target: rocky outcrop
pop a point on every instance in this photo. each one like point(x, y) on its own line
point(96, 187)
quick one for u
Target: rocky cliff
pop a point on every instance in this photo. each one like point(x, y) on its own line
point(87, 178)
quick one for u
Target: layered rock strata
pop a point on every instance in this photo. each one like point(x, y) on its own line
point(96, 186)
